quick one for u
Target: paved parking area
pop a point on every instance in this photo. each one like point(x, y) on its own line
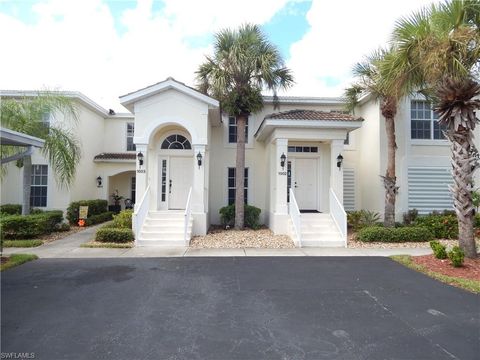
point(234, 308)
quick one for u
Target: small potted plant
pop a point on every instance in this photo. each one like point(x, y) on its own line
point(116, 207)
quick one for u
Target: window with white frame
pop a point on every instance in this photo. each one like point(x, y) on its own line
point(232, 185)
point(133, 189)
point(424, 122)
point(39, 185)
point(130, 130)
point(232, 130)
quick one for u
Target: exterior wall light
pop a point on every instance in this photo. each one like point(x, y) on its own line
point(339, 161)
point(99, 181)
point(283, 158)
point(199, 159)
point(140, 158)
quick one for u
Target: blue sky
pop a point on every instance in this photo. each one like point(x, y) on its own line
point(105, 48)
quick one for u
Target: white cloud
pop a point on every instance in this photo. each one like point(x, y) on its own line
point(341, 33)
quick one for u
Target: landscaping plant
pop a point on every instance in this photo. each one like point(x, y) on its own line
point(439, 250)
point(252, 216)
point(363, 218)
point(404, 234)
point(456, 256)
point(442, 226)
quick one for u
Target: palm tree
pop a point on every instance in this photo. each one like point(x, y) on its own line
point(369, 82)
point(437, 51)
point(243, 64)
point(61, 148)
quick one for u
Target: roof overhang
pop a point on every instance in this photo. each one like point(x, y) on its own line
point(304, 100)
point(14, 138)
point(269, 125)
point(129, 99)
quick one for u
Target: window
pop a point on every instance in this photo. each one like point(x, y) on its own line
point(231, 185)
point(130, 130)
point(176, 142)
point(132, 189)
point(303, 149)
point(424, 122)
point(39, 184)
point(164, 180)
point(347, 140)
point(232, 130)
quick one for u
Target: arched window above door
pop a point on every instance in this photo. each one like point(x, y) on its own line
point(176, 142)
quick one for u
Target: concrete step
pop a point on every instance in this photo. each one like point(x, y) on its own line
point(164, 215)
point(323, 243)
point(166, 243)
point(162, 227)
point(320, 235)
point(165, 235)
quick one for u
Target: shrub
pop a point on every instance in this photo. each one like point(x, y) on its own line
point(62, 227)
point(114, 235)
point(123, 219)
point(252, 216)
point(359, 219)
point(36, 211)
point(404, 234)
point(456, 256)
point(439, 250)
point(29, 226)
point(477, 220)
point(11, 209)
point(442, 226)
point(97, 219)
point(95, 207)
point(410, 216)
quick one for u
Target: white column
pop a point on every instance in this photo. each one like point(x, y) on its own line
point(280, 177)
point(198, 189)
point(140, 174)
point(336, 174)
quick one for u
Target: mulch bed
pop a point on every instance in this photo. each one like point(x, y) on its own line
point(470, 269)
point(60, 234)
point(3, 260)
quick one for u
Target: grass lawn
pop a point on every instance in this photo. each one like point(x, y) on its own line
point(22, 243)
point(15, 260)
point(97, 244)
point(467, 284)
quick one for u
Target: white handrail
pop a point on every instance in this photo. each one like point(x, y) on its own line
point(188, 211)
point(339, 215)
point(141, 212)
point(294, 212)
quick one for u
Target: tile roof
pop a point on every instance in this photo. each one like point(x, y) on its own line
point(115, 156)
point(312, 115)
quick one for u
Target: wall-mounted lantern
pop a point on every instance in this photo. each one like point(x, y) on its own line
point(99, 181)
point(199, 159)
point(339, 161)
point(140, 158)
point(283, 158)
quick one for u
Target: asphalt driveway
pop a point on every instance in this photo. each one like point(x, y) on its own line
point(234, 308)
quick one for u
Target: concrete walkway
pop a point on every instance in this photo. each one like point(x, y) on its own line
point(69, 247)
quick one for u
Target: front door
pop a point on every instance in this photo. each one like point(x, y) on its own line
point(180, 181)
point(305, 183)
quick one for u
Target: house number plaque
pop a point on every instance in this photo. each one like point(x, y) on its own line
point(282, 173)
point(141, 171)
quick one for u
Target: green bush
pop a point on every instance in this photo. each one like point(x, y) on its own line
point(95, 207)
point(442, 226)
point(477, 220)
point(456, 256)
point(252, 216)
point(360, 219)
point(11, 209)
point(404, 234)
point(123, 219)
point(62, 227)
point(439, 250)
point(410, 216)
point(29, 226)
point(114, 235)
point(97, 219)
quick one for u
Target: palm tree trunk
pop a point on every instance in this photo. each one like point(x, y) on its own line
point(461, 142)
point(390, 179)
point(240, 173)
point(27, 179)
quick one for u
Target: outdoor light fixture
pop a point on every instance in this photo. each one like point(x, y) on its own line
point(140, 158)
point(282, 160)
point(199, 159)
point(99, 181)
point(339, 161)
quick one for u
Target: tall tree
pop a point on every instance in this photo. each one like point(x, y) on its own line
point(29, 115)
point(437, 51)
point(243, 64)
point(369, 82)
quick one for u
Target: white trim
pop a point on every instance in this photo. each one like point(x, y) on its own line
point(167, 84)
point(164, 121)
point(305, 100)
point(19, 139)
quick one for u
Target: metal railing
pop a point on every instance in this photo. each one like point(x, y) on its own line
point(188, 212)
point(339, 215)
point(294, 212)
point(141, 212)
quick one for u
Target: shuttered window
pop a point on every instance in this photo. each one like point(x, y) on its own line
point(428, 189)
point(349, 189)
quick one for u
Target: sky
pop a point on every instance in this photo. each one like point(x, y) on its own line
point(107, 48)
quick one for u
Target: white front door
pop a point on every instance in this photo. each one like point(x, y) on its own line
point(305, 183)
point(180, 181)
